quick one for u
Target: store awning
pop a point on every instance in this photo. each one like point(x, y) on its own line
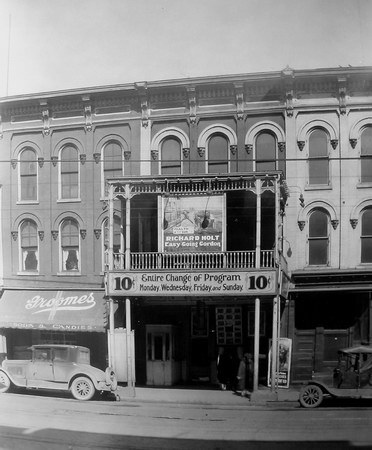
point(53, 310)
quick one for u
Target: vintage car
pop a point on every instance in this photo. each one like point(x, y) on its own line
point(58, 367)
point(351, 379)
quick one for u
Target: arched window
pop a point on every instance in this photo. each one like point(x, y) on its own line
point(113, 161)
point(118, 239)
point(170, 156)
point(318, 238)
point(366, 155)
point(218, 152)
point(69, 173)
point(318, 158)
point(265, 152)
point(366, 237)
point(70, 246)
point(28, 175)
point(29, 246)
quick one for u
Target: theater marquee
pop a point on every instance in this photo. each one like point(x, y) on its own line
point(196, 283)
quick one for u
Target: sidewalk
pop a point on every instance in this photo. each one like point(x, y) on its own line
point(264, 396)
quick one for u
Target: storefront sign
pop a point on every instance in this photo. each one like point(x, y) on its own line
point(284, 363)
point(193, 224)
point(195, 283)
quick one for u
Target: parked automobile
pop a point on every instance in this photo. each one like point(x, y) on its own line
point(351, 379)
point(58, 367)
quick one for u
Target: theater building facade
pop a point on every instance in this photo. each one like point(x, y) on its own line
point(159, 222)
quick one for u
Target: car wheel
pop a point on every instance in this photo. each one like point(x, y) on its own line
point(5, 383)
point(311, 396)
point(82, 388)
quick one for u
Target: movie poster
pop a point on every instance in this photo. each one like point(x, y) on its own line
point(284, 361)
point(193, 224)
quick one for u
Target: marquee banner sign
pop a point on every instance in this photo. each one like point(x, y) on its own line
point(196, 283)
point(193, 224)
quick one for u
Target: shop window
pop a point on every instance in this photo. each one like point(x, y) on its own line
point(366, 155)
point(366, 237)
point(318, 158)
point(57, 337)
point(229, 325)
point(266, 152)
point(318, 238)
point(70, 246)
point(69, 173)
point(170, 157)
point(29, 246)
point(112, 162)
point(218, 148)
point(28, 175)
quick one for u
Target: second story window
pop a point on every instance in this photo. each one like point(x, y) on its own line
point(366, 236)
point(218, 154)
point(69, 173)
point(366, 155)
point(265, 152)
point(318, 158)
point(29, 246)
point(28, 175)
point(70, 246)
point(171, 157)
point(112, 161)
point(318, 238)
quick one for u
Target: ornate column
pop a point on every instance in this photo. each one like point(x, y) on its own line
point(258, 223)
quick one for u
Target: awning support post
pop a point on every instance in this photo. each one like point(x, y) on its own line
point(256, 355)
point(130, 356)
point(274, 346)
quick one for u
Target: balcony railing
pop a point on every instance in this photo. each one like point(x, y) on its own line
point(194, 261)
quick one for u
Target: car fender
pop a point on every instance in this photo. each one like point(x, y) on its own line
point(15, 381)
point(97, 376)
point(325, 389)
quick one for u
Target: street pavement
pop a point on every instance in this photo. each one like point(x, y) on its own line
point(214, 397)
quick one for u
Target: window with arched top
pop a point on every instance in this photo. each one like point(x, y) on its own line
point(265, 152)
point(69, 175)
point(29, 246)
point(318, 158)
point(366, 236)
point(318, 238)
point(218, 154)
point(70, 246)
point(28, 175)
point(366, 155)
point(170, 157)
point(113, 161)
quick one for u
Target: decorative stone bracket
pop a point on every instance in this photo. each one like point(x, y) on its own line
point(301, 224)
point(83, 158)
point(239, 98)
point(87, 112)
point(127, 155)
point(186, 152)
point(45, 116)
point(14, 235)
point(191, 92)
point(142, 92)
point(354, 223)
point(83, 233)
point(154, 154)
point(97, 157)
point(334, 143)
point(353, 142)
point(342, 94)
point(201, 151)
point(13, 162)
point(334, 223)
point(233, 149)
point(281, 146)
point(248, 148)
point(54, 234)
point(301, 145)
point(40, 161)
point(54, 160)
point(97, 232)
point(41, 235)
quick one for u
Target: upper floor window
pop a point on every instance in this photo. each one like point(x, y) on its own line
point(28, 175)
point(318, 158)
point(265, 152)
point(69, 173)
point(171, 157)
point(29, 246)
point(218, 151)
point(113, 161)
point(366, 155)
point(366, 237)
point(318, 238)
point(70, 246)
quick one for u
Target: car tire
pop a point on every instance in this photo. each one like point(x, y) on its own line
point(5, 383)
point(82, 388)
point(311, 396)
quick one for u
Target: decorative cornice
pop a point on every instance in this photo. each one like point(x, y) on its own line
point(354, 223)
point(301, 224)
point(83, 158)
point(97, 232)
point(191, 93)
point(54, 234)
point(301, 145)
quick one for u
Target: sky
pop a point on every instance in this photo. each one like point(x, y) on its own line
point(53, 45)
